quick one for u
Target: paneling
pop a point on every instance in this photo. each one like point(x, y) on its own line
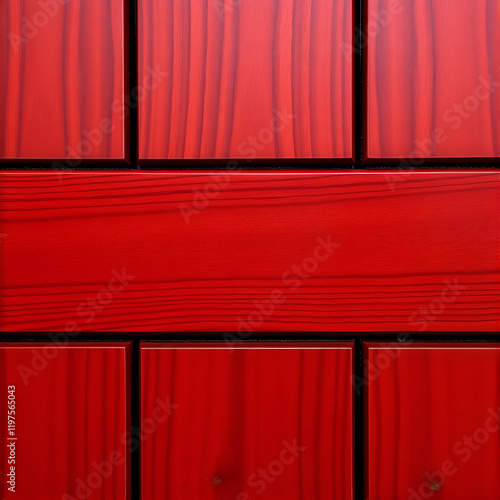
point(69, 421)
point(250, 252)
point(268, 421)
point(63, 85)
point(433, 79)
point(433, 413)
point(245, 79)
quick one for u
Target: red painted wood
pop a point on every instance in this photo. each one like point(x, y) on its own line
point(148, 251)
point(63, 80)
point(433, 421)
point(228, 76)
point(227, 418)
point(433, 79)
point(71, 415)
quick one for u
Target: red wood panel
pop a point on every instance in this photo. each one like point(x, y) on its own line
point(433, 79)
point(433, 421)
point(245, 79)
point(63, 80)
point(68, 412)
point(262, 421)
point(250, 252)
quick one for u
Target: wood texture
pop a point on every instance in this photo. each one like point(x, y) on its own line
point(234, 73)
point(71, 417)
point(433, 421)
point(433, 80)
point(63, 80)
point(234, 416)
point(260, 251)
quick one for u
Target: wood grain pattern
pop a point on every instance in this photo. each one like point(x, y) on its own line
point(234, 73)
point(63, 80)
point(240, 417)
point(433, 421)
point(250, 252)
point(71, 417)
point(433, 79)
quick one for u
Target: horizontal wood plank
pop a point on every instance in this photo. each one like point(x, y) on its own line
point(247, 252)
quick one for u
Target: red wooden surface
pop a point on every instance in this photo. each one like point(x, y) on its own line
point(226, 420)
point(149, 251)
point(433, 421)
point(233, 73)
point(71, 416)
point(63, 79)
point(433, 79)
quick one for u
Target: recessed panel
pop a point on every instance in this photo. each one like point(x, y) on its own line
point(253, 79)
point(433, 80)
point(257, 421)
point(65, 420)
point(63, 91)
point(432, 421)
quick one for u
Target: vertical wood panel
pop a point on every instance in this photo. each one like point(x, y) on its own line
point(235, 412)
point(71, 418)
point(63, 80)
point(232, 74)
point(433, 421)
point(433, 79)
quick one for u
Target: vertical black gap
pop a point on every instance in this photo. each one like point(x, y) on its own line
point(358, 82)
point(359, 445)
point(133, 140)
point(135, 422)
point(132, 62)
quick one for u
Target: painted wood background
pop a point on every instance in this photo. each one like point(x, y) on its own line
point(433, 79)
point(259, 78)
point(284, 410)
point(250, 252)
point(72, 411)
point(63, 80)
point(433, 421)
